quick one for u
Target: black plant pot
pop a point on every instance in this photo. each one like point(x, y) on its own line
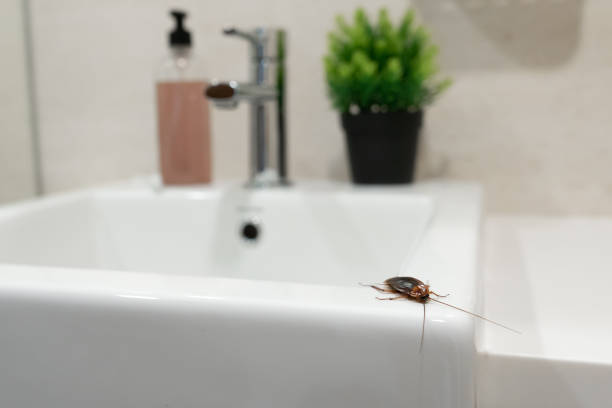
point(382, 147)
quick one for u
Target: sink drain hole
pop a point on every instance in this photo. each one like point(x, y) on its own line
point(250, 231)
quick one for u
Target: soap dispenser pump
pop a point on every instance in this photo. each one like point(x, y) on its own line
point(179, 36)
point(182, 114)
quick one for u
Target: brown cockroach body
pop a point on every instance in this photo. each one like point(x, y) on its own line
point(406, 287)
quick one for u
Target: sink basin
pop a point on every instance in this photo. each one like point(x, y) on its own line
point(132, 295)
point(336, 238)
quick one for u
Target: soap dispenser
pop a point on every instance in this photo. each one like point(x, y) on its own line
point(183, 121)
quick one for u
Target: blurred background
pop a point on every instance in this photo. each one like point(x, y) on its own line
point(528, 114)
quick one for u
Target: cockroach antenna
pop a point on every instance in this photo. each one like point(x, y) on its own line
point(476, 315)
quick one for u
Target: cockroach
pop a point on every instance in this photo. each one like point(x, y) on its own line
point(406, 287)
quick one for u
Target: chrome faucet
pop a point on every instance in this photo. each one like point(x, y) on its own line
point(266, 86)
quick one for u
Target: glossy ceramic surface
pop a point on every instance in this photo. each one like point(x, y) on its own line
point(140, 297)
point(548, 277)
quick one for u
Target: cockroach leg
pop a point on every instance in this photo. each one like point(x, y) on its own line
point(391, 298)
point(378, 288)
point(422, 330)
point(434, 293)
point(383, 290)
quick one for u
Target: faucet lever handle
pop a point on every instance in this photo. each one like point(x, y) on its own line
point(220, 90)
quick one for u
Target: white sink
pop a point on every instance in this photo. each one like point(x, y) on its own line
point(130, 296)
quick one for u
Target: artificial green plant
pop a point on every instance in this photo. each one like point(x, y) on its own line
point(381, 67)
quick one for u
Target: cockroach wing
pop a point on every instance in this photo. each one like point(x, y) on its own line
point(403, 284)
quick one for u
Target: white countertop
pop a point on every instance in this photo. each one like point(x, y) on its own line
point(551, 279)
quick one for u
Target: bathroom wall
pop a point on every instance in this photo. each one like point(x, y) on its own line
point(527, 116)
point(16, 165)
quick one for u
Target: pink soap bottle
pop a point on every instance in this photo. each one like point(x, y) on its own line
point(183, 121)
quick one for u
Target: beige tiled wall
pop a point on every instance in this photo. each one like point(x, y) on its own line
point(528, 114)
point(16, 166)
